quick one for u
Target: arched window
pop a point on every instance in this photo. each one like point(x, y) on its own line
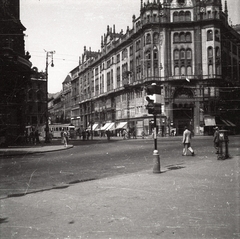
point(183, 70)
point(148, 62)
point(182, 54)
point(187, 16)
point(124, 54)
point(189, 70)
point(181, 16)
point(209, 14)
point(217, 52)
point(175, 17)
point(182, 37)
point(155, 38)
point(188, 37)
point(175, 37)
point(209, 35)
point(210, 52)
point(148, 55)
point(155, 61)
point(189, 54)
point(176, 55)
point(176, 71)
point(217, 36)
point(148, 39)
point(138, 45)
point(155, 53)
point(148, 18)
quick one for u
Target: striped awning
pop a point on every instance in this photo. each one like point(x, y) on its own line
point(93, 127)
point(105, 126)
point(110, 127)
point(228, 123)
point(122, 125)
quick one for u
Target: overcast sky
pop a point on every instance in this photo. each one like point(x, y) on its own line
point(66, 26)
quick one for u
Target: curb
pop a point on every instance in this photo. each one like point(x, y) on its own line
point(21, 151)
point(60, 186)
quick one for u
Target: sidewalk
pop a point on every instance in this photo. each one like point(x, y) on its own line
point(31, 149)
point(199, 199)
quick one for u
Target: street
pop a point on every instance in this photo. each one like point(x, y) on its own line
point(92, 160)
point(108, 190)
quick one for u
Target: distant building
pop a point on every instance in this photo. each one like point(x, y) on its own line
point(185, 46)
point(15, 70)
point(59, 105)
point(36, 99)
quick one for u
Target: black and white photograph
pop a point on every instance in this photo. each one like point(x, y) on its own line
point(119, 119)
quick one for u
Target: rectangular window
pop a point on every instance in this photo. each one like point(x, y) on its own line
point(118, 58)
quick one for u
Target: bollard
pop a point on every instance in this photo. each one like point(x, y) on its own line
point(220, 151)
point(223, 139)
point(156, 162)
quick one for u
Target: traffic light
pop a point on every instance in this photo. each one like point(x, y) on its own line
point(154, 99)
point(154, 89)
point(150, 106)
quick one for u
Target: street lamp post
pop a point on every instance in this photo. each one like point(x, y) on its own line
point(48, 54)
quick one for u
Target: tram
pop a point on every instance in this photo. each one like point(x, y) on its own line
point(56, 129)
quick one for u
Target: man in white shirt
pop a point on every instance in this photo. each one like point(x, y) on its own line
point(187, 135)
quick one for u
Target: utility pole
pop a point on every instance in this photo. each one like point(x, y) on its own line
point(48, 54)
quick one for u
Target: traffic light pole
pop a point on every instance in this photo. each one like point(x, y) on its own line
point(156, 157)
point(155, 131)
point(154, 108)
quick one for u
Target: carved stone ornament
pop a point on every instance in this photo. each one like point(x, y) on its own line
point(181, 3)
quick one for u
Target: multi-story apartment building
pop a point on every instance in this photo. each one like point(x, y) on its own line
point(185, 46)
point(15, 71)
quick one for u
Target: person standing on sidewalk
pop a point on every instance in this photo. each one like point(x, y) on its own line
point(216, 139)
point(64, 138)
point(187, 135)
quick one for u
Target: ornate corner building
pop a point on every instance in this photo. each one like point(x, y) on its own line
point(185, 46)
point(15, 70)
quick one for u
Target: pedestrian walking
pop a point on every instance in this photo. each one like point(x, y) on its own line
point(124, 134)
point(216, 139)
point(134, 134)
point(187, 135)
point(108, 134)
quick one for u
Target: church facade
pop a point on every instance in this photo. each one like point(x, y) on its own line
point(15, 73)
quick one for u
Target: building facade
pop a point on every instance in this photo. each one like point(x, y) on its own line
point(185, 46)
point(36, 98)
point(15, 71)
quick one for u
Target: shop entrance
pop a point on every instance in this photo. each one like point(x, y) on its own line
point(183, 109)
point(182, 117)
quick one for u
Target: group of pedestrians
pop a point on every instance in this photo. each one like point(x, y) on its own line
point(187, 136)
point(32, 137)
point(186, 140)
